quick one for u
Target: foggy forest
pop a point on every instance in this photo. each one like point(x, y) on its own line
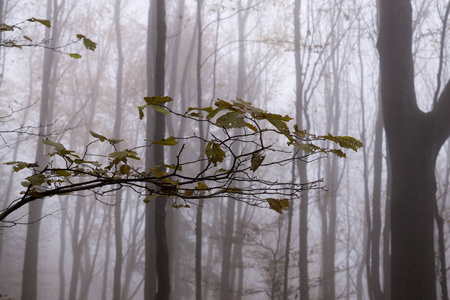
point(224, 149)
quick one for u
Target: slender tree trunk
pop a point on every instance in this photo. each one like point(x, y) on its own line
point(199, 218)
point(30, 266)
point(150, 247)
point(301, 166)
point(117, 135)
point(225, 290)
point(162, 251)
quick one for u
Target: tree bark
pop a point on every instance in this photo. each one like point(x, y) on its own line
point(413, 139)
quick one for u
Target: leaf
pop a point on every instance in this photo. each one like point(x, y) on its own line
point(80, 36)
point(201, 186)
point(158, 100)
point(231, 120)
point(102, 138)
point(278, 205)
point(124, 154)
point(36, 179)
point(63, 173)
point(6, 27)
point(251, 126)
point(280, 123)
point(157, 172)
point(80, 161)
point(256, 160)
point(214, 153)
point(90, 45)
point(345, 141)
point(20, 165)
point(173, 167)
point(58, 146)
point(75, 55)
point(141, 111)
point(27, 38)
point(308, 148)
point(170, 141)
point(214, 112)
point(125, 169)
point(300, 133)
point(43, 22)
point(338, 153)
point(114, 141)
point(160, 109)
point(188, 193)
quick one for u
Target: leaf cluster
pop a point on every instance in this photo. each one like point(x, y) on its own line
point(26, 41)
point(230, 170)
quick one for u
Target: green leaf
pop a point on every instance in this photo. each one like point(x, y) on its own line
point(75, 55)
point(158, 100)
point(102, 138)
point(36, 179)
point(120, 155)
point(141, 111)
point(251, 126)
point(280, 123)
point(231, 120)
point(90, 45)
point(173, 167)
point(214, 153)
point(170, 141)
point(20, 165)
point(308, 148)
point(58, 146)
point(6, 27)
point(338, 153)
point(63, 173)
point(214, 112)
point(160, 109)
point(256, 160)
point(80, 36)
point(27, 38)
point(43, 22)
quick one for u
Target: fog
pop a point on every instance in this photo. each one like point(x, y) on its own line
point(111, 190)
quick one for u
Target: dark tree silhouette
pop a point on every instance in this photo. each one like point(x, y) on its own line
point(414, 138)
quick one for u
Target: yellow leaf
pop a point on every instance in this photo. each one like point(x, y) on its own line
point(125, 169)
point(170, 141)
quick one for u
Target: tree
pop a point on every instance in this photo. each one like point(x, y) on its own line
point(414, 138)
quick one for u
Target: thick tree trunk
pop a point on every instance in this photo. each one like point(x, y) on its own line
point(414, 139)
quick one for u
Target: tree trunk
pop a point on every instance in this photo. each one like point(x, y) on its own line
point(162, 251)
point(30, 266)
point(117, 135)
point(150, 247)
point(413, 139)
point(301, 166)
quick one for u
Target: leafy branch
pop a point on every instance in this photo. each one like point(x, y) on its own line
point(225, 170)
